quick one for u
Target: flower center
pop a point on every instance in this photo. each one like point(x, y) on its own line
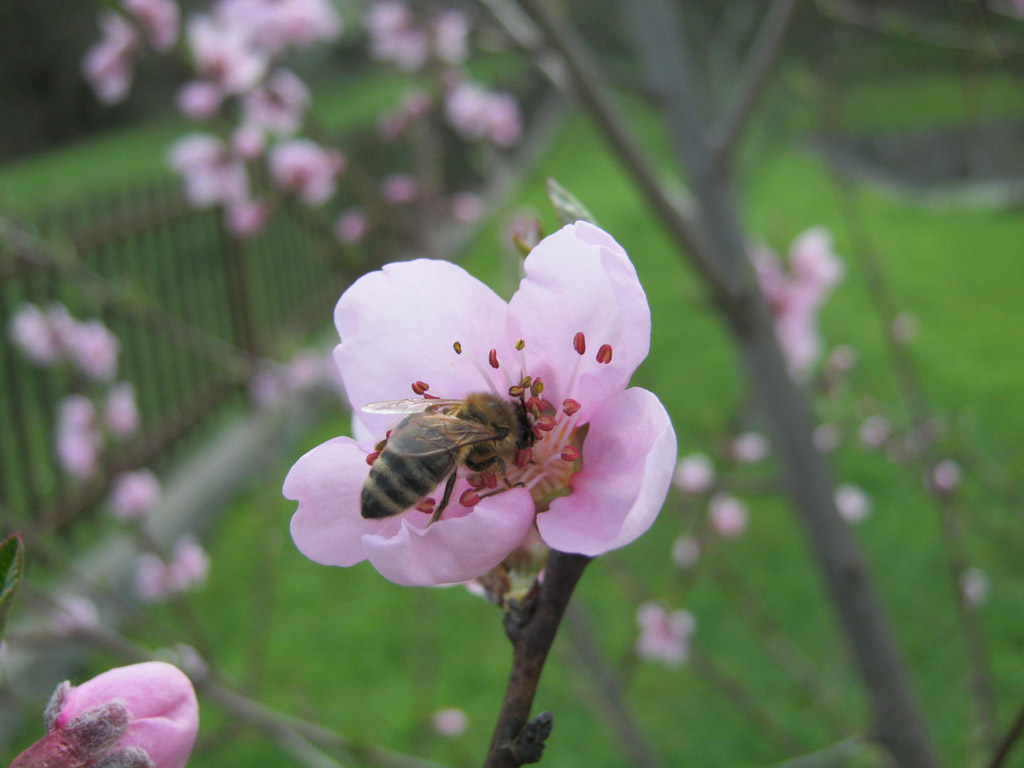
point(546, 467)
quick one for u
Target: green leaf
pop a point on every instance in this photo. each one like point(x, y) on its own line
point(12, 567)
point(567, 205)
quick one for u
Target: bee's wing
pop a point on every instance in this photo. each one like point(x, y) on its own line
point(438, 433)
point(411, 405)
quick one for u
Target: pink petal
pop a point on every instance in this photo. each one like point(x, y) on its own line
point(398, 325)
point(580, 279)
point(454, 549)
point(326, 482)
point(628, 459)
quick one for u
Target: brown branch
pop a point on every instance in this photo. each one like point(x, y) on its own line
point(1008, 741)
point(531, 627)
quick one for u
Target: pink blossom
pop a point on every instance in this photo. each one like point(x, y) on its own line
point(450, 722)
point(72, 614)
point(189, 565)
point(477, 113)
point(451, 37)
point(212, 176)
point(306, 170)
point(694, 473)
point(121, 412)
point(946, 477)
point(685, 552)
point(267, 387)
point(199, 99)
point(664, 636)
point(248, 141)
point(399, 188)
point(134, 494)
point(584, 323)
point(750, 447)
point(279, 105)
point(306, 370)
point(728, 515)
point(796, 295)
point(77, 441)
point(273, 25)
point(394, 36)
point(414, 106)
point(467, 207)
point(351, 226)
point(157, 699)
point(843, 358)
point(158, 19)
point(29, 328)
point(94, 350)
point(246, 217)
point(875, 431)
point(904, 327)
point(108, 64)
point(151, 583)
point(852, 503)
point(224, 54)
point(975, 586)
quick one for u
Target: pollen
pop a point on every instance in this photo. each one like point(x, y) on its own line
point(420, 387)
point(570, 406)
point(372, 457)
point(457, 346)
point(520, 345)
point(492, 358)
point(570, 453)
point(604, 354)
point(469, 498)
point(579, 343)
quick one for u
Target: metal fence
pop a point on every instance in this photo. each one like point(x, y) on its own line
point(191, 306)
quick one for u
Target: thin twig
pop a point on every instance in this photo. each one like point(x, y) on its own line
point(1009, 741)
point(531, 627)
point(759, 64)
point(609, 684)
point(840, 753)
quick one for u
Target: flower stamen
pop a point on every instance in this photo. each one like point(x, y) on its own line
point(604, 354)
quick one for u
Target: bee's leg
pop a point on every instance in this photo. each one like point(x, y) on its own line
point(444, 499)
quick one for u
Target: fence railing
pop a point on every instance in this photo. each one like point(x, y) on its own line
point(191, 306)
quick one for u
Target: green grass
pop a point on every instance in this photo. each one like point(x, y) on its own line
point(375, 660)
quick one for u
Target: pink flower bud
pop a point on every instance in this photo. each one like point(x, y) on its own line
point(945, 477)
point(121, 412)
point(875, 431)
point(975, 586)
point(73, 613)
point(686, 552)
point(134, 494)
point(664, 636)
point(728, 515)
point(827, 437)
point(30, 330)
point(450, 722)
point(852, 503)
point(199, 99)
point(750, 447)
point(351, 226)
point(399, 188)
point(162, 712)
point(694, 474)
point(94, 350)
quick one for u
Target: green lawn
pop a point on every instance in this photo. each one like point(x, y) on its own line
point(375, 660)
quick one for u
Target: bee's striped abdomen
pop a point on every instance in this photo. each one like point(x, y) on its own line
point(398, 482)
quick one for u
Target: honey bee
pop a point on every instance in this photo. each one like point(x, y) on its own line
point(480, 432)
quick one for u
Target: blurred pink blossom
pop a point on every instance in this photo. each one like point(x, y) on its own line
point(211, 175)
point(852, 503)
point(77, 439)
point(72, 614)
point(224, 54)
point(750, 447)
point(694, 473)
point(351, 226)
point(399, 188)
point(108, 64)
point(279, 105)
point(246, 217)
point(904, 327)
point(477, 113)
point(121, 412)
point(685, 552)
point(248, 141)
point(451, 37)
point(305, 169)
point(875, 431)
point(199, 99)
point(664, 636)
point(467, 207)
point(156, 580)
point(946, 477)
point(152, 704)
point(394, 35)
point(728, 515)
point(134, 494)
point(273, 25)
point(584, 323)
point(450, 722)
point(827, 437)
point(30, 329)
point(158, 19)
point(94, 349)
